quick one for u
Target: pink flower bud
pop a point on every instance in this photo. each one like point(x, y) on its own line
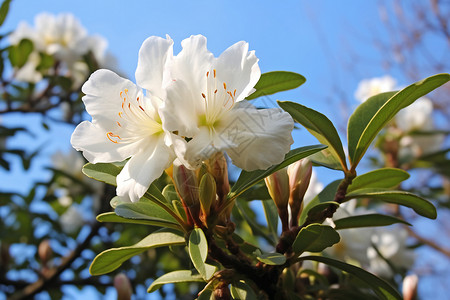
point(299, 177)
point(410, 287)
point(278, 187)
point(123, 287)
point(44, 251)
point(186, 184)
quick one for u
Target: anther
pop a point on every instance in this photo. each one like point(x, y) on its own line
point(207, 74)
point(203, 95)
point(214, 73)
point(224, 85)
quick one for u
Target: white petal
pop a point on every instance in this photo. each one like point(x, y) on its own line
point(142, 169)
point(180, 111)
point(154, 55)
point(239, 69)
point(103, 97)
point(263, 137)
point(192, 64)
point(96, 146)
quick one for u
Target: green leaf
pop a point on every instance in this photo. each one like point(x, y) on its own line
point(198, 251)
point(326, 195)
point(18, 54)
point(103, 172)
point(370, 220)
point(276, 81)
point(271, 258)
point(47, 61)
point(270, 211)
point(380, 178)
point(372, 115)
point(174, 277)
point(383, 289)
point(319, 126)
point(111, 217)
point(418, 204)
point(315, 238)
point(146, 210)
point(4, 11)
point(247, 179)
point(324, 158)
point(111, 259)
point(241, 291)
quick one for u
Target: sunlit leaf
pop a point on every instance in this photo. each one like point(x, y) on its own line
point(276, 81)
point(373, 114)
point(111, 259)
point(418, 204)
point(380, 178)
point(198, 251)
point(174, 277)
point(319, 126)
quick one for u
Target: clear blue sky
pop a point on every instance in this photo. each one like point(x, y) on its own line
point(312, 38)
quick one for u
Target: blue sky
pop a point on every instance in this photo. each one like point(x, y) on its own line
point(314, 38)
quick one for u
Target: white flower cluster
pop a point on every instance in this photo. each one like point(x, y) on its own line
point(367, 247)
point(417, 117)
point(191, 108)
point(65, 39)
point(372, 247)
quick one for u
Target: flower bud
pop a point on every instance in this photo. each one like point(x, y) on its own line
point(410, 287)
point(217, 167)
point(299, 177)
point(44, 251)
point(123, 287)
point(187, 188)
point(278, 187)
point(207, 193)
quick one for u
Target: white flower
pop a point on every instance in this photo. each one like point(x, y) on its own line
point(71, 220)
point(125, 124)
point(71, 164)
point(371, 87)
point(357, 244)
point(418, 117)
point(203, 97)
point(61, 36)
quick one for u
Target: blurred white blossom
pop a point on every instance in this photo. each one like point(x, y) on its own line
point(63, 37)
point(72, 219)
point(359, 245)
point(371, 87)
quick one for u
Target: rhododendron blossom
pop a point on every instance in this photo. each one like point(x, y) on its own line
point(204, 104)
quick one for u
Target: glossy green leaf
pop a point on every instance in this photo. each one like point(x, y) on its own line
point(111, 217)
point(271, 258)
point(240, 290)
point(271, 213)
point(146, 210)
point(380, 178)
point(372, 115)
point(174, 277)
point(326, 195)
point(4, 11)
point(18, 54)
point(245, 211)
point(111, 259)
point(370, 220)
point(103, 172)
point(418, 204)
point(319, 126)
point(383, 289)
point(248, 179)
point(315, 238)
point(198, 251)
point(276, 81)
point(326, 159)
